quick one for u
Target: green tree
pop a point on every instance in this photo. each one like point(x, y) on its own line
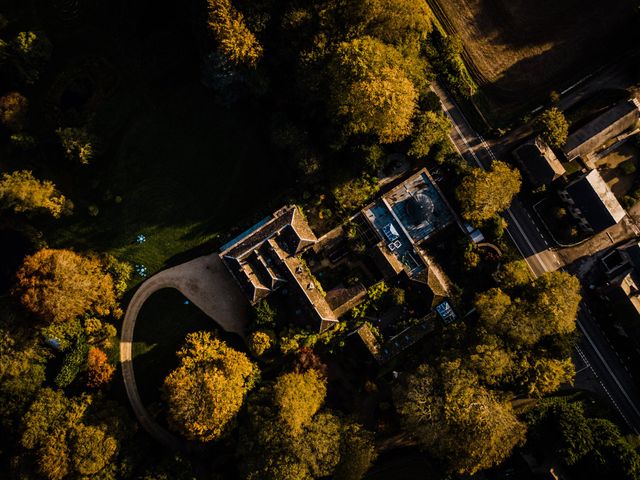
point(354, 193)
point(479, 195)
point(265, 314)
point(298, 396)
point(234, 39)
point(21, 192)
point(553, 127)
point(79, 145)
point(430, 128)
point(60, 285)
point(457, 420)
point(371, 92)
point(208, 388)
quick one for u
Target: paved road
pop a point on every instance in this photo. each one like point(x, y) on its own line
point(206, 282)
point(534, 247)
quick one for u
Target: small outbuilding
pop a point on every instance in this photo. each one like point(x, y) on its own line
point(538, 162)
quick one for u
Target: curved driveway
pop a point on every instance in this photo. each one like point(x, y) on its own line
point(207, 283)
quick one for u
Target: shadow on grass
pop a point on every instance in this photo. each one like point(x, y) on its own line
point(162, 325)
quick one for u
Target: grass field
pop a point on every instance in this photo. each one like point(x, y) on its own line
point(175, 165)
point(519, 50)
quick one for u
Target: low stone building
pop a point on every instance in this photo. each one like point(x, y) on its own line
point(538, 162)
point(597, 132)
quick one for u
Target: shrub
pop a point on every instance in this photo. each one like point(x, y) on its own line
point(628, 167)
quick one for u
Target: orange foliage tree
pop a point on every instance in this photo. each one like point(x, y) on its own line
point(60, 285)
point(99, 370)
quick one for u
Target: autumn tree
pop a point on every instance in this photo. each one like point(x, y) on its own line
point(78, 143)
point(208, 388)
point(522, 328)
point(99, 370)
point(22, 369)
point(553, 127)
point(60, 285)
point(371, 92)
point(260, 342)
point(430, 128)
point(54, 427)
point(234, 39)
point(457, 420)
point(298, 396)
point(13, 111)
point(484, 193)
point(324, 445)
point(21, 192)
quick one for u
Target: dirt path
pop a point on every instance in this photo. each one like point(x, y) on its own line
point(207, 283)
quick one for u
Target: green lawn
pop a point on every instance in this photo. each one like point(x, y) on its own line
point(186, 170)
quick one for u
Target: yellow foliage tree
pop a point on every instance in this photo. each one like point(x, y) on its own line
point(21, 192)
point(482, 193)
point(298, 396)
point(371, 91)
point(60, 285)
point(208, 388)
point(235, 41)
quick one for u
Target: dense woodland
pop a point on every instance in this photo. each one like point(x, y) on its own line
point(327, 90)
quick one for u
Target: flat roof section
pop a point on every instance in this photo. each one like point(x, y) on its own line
point(419, 206)
point(396, 238)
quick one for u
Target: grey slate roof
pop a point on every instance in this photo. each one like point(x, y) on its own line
point(608, 125)
point(539, 162)
point(595, 200)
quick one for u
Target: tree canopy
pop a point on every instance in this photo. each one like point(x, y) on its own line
point(54, 426)
point(60, 285)
point(298, 396)
point(479, 196)
point(553, 127)
point(430, 128)
point(289, 439)
point(208, 388)
point(371, 92)
point(457, 420)
point(234, 39)
point(21, 192)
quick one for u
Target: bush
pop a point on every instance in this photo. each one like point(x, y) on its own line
point(628, 167)
point(265, 315)
point(354, 193)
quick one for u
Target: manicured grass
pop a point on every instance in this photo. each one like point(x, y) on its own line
point(185, 170)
